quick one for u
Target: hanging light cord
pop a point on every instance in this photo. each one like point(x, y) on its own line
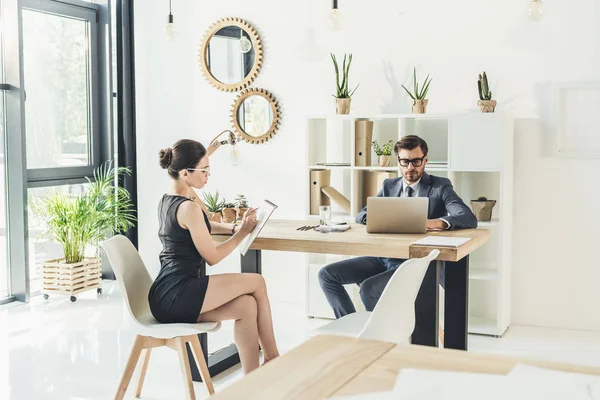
point(170, 14)
point(335, 4)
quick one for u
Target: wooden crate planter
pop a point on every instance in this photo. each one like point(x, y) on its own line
point(59, 277)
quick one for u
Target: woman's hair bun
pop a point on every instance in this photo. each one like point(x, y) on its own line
point(165, 156)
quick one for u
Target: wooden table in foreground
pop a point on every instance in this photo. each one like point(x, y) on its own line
point(282, 235)
point(328, 366)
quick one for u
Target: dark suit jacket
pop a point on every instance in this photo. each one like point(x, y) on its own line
point(443, 201)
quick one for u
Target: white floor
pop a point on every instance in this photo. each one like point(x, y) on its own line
point(55, 349)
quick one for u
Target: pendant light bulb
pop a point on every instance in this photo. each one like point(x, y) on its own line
point(170, 30)
point(245, 44)
point(536, 10)
point(335, 17)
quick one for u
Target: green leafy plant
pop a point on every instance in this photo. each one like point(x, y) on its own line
point(342, 91)
point(213, 202)
point(82, 220)
point(385, 150)
point(241, 201)
point(419, 93)
point(484, 87)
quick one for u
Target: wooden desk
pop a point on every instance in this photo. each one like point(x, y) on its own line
point(282, 235)
point(328, 366)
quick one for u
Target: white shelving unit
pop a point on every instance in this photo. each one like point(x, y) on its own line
point(475, 151)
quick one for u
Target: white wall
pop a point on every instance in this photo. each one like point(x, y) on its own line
point(555, 274)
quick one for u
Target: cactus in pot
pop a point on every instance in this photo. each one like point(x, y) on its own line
point(485, 103)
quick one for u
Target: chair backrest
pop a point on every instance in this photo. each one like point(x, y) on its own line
point(393, 318)
point(132, 276)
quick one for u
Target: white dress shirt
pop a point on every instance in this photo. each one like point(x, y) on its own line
point(415, 187)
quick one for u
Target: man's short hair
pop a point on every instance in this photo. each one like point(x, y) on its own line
point(411, 142)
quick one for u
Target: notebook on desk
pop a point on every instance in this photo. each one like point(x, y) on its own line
point(263, 216)
point(441, 241)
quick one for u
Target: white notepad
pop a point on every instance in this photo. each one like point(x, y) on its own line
point(263, 214)
point(441, 241)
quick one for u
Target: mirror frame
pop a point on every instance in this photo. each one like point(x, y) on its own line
point(256, 45)
point(274, 107)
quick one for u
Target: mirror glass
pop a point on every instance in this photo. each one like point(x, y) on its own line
point(255, 115)
point(230, 54)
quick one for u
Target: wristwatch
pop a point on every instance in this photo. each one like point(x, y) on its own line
point(233, 229)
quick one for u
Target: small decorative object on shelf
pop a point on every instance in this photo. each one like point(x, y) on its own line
point(343, 94)
point(384, 153)
point(79, 221)
point(229, 213)
point(214, 205)
point(419, 94)
point(485, 103)
point(482, 207)
point(241, 204)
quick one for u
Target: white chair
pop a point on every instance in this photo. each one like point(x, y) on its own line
point(393, 318)
point(135, 281)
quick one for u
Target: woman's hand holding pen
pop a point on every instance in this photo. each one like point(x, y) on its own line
point(249, 221)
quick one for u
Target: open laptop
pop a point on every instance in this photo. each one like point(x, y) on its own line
point(397, 214)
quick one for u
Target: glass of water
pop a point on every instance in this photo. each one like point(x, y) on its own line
point(325, 219)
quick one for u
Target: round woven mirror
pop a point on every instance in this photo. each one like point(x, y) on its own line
point(255, 115)
point(230, 54)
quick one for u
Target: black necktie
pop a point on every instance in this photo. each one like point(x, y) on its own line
point(409, 191)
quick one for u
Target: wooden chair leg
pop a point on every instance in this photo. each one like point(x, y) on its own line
point(134, 356)
point(201, 363)
point(185, 367)
point(146, 359)
point(441, 335)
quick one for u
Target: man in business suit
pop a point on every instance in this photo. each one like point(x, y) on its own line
point(446, 211)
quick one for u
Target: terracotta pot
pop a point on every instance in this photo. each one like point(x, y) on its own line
point(229, 215)
point(342, 106)
point(487, 106)
point(419, 106)
point(215, 217)
point(384, 161)
point(241, 212)
point(483, 209)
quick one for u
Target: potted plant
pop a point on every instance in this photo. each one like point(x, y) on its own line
point(485, 103)
point(214, 204)
point(242, 205)
point(384, 153)
point(482, 208)
point(81, 221)
point(343, 95)
point(229, 213)
point(419, 94)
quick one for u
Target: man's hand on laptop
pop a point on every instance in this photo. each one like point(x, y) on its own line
point(436, 225)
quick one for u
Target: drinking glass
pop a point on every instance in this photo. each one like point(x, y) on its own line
point(325, 219)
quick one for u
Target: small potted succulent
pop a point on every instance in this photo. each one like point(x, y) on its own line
point(229, 213)
point(214, 205)
point(384, 153)
point(343, 95)
point(482, 208)
point(419, 94)
point(241, 204)
point(485, 103)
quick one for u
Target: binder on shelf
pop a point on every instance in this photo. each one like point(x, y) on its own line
point(363, 131)
point(318, 180)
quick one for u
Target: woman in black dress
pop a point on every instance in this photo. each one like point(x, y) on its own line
point(183, 292)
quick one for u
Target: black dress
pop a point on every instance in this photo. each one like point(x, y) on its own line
point(178, 292)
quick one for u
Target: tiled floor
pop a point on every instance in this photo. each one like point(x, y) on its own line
point(56, 349)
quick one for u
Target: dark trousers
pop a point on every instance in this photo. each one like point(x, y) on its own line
point(371, 273)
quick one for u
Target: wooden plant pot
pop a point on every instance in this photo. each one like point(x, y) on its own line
point(483, 209)
point(487, 106)
point(419, 106)
point(384, 161)
point(58, 277)
point(342, 106)
point(229, 215)
point(215, 217)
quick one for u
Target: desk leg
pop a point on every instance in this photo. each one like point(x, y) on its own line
point(456, 304)
point(228, 356)
point(427, 308)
